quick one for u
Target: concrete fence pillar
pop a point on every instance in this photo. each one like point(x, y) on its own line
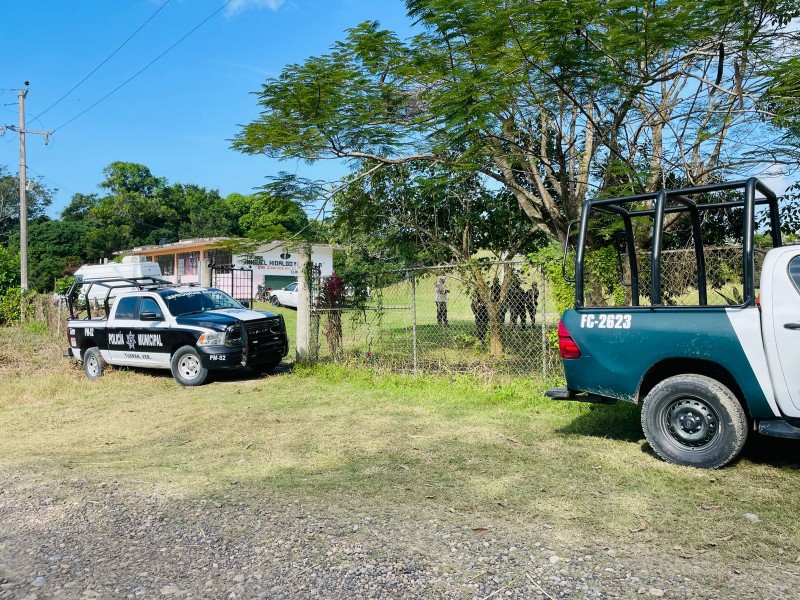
point(303, 335)
point(205, 271)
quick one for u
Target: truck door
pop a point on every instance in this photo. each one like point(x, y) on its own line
point(781, 318)
point(137, 341)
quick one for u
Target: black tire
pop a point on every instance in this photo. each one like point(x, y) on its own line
point(187, 368)
point(93, 363)
point(274, 300)
point(694, 420)
point(267, 367)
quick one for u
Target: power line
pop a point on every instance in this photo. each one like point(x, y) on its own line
point(77, 85)
point(147, 66)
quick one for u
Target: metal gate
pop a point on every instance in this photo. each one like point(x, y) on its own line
point(236, 282)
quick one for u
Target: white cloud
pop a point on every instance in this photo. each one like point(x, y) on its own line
point(237, 6)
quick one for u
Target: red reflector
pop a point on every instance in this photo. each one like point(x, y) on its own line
point(566, 345)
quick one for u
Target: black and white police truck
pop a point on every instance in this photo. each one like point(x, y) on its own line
point(149, 322)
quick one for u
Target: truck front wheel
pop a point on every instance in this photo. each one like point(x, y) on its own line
point(695, 421)
point(187, 368)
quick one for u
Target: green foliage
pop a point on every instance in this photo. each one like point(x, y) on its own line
point(562, 292)
point(10, 306)
point(271, 218)
point(63, 284)
point(9, 269)
point(38, 198)
point(55, 249)
point(426, 214)
point(547, 98)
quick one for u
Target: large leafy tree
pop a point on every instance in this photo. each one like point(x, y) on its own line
point(140, 208)
point(38, 197)
point(556, 100)
point(55, 249)
point(428, 214)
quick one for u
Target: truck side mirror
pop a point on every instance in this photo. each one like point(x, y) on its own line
point(150, 316)
point(245, 303)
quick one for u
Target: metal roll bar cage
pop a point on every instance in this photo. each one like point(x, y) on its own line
point(660, 208)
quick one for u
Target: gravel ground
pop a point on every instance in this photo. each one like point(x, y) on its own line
point(72, 539)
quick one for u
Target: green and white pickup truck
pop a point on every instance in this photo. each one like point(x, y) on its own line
point(704, 374)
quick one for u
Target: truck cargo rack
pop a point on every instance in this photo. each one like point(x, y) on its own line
point(685, 204)
point(78, 296)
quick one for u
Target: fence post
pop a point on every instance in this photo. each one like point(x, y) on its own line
point(303, 305)
point(544, 323)
point(414, 321)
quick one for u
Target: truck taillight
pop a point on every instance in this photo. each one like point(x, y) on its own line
point(566, 345)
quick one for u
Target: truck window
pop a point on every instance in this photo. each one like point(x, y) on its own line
point(126, 307)
point(794, 272)
point(149, 305)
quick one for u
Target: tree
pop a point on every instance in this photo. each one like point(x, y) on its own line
point(270, 218)
point(38, 198)
point(555, 100)
point(9, 270)
point(205, 213)
point(427, 214)
point(79, 207)
point(55, 249)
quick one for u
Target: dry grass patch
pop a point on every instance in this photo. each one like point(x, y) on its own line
point(498, 456)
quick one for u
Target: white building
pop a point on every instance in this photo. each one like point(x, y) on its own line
point(274, 265)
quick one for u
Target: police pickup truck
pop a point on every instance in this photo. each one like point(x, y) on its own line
point(149, 322)
point(711, 351)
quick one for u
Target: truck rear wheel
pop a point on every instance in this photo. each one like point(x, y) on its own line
point(694, 420)
point(187, 368)
point(93, 363)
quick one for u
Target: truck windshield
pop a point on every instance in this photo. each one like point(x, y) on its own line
point(188, 303)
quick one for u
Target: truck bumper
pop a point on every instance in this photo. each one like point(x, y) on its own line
point(222, 357)
point(566, 394)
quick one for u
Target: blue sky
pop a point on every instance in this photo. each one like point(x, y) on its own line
point(177, 116)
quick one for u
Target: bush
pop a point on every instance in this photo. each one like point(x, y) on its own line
point(10, 306)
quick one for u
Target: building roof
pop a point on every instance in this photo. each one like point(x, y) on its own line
point(210, 242)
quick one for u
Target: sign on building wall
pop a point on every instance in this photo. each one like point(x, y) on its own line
point(270, 261)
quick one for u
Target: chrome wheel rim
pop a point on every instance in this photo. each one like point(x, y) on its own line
point(189, 367)
point(92, 366)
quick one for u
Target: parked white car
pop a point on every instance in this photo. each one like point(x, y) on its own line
point(285, 297)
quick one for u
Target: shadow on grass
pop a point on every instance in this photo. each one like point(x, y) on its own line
point(772, 451)
point(221, 376)
point(617, 421)
point(621, 422)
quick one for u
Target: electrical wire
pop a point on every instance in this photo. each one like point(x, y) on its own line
point(93, 71)
point(143, 69)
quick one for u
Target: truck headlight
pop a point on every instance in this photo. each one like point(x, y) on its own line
point(233, 336)
point(212, 338)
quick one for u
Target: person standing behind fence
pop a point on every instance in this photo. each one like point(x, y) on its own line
point(516, 302)
point(481, 315)
point(440, 292)
point(531, 303)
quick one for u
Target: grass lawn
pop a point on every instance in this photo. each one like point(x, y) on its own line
point(497, 456)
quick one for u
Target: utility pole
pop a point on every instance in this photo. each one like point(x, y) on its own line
point(23, 189)
point(23, 200)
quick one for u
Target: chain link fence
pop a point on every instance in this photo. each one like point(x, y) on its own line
point(485, 319)
point(724, 286)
